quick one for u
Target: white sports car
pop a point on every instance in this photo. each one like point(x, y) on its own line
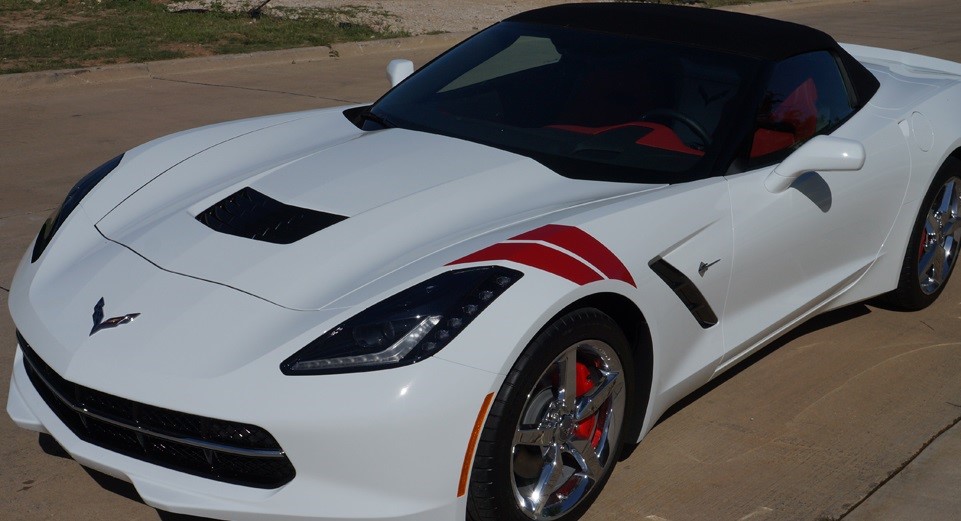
point(466, 298)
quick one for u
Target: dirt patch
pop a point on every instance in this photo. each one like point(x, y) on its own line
point(18, 22)
point(424, 16)
point(187, 50)
point(411, 16)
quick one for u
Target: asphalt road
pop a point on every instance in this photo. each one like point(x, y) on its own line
point(808, 429)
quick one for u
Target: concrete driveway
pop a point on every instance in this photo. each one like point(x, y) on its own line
point(808, 429)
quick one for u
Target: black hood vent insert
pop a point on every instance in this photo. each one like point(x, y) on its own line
point(251, 214)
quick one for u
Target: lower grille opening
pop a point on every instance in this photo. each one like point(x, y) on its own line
point(221, 450)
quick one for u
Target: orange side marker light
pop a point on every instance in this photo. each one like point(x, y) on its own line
point(472, 444)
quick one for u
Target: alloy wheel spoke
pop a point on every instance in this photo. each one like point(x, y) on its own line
point(549, 481)
point(567, 382)
point(950, 227)
point(939, 264)
point(955, 206)
point(949, 198)
point(589, 404)
point(539, 436)
point(950, 253)
point(927, 263)
point(586, 458)
point(931, 225)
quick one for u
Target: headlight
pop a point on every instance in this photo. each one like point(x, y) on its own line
point(78, 192)
point(407, 327)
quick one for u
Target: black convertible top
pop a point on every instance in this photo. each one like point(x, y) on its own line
point(748, 35)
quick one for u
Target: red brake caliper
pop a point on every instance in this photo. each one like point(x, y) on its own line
point(589, 427)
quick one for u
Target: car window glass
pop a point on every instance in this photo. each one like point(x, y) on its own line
point(589, 105)
point(527, 52)
point(805, 96)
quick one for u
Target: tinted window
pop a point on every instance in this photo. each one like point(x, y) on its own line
point(805, 96)
point(527, 52)
point(587, 104)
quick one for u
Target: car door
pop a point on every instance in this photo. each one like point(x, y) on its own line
point(797, 249)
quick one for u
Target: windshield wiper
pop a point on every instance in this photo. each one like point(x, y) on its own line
point(367, 115)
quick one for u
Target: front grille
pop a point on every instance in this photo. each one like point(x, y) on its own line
point(222, 450)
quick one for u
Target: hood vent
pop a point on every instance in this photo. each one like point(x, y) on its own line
point(251, 214)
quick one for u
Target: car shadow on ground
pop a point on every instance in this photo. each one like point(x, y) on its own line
point(817, 323)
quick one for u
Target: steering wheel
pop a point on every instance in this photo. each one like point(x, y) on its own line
point(665, 113)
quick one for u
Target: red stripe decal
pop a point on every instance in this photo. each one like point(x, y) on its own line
point(582, 244)
point(537, 256)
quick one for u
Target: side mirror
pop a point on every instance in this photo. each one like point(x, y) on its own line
point(823, 153)
point(399, 70)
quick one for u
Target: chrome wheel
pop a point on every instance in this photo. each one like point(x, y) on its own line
point(940, 238)
point(567, 436)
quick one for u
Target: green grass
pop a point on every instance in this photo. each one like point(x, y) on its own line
point(62, 34)
point(58, 34)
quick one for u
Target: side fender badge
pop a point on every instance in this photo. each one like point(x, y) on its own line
point(702, 269)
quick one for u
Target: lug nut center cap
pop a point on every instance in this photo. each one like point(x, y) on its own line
point(565, 430)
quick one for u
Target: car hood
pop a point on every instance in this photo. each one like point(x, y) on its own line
point(404, 195)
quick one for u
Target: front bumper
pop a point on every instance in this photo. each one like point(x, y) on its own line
point(379, 445)
point(356, 458)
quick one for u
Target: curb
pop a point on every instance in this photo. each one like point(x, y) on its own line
point(12, 83)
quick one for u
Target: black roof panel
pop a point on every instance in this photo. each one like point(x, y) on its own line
point(748, 35)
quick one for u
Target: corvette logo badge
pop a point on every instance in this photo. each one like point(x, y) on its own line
point(99, 323)
point(702, 269)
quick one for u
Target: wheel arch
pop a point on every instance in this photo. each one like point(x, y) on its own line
point(632, 323)
point(953, 153)
point(956, 155)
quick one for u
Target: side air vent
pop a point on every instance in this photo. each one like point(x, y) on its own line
point(251, 214)
point(686, 291)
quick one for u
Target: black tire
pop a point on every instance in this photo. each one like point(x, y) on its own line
point(919, 285)
point(531, 400)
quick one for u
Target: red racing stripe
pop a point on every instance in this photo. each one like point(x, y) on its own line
point(582, 244)
point(536, 256)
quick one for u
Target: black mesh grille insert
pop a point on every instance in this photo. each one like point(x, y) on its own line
point(226, 451)
point(251, 214)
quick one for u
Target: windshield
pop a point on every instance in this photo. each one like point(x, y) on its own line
point(586, 104)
